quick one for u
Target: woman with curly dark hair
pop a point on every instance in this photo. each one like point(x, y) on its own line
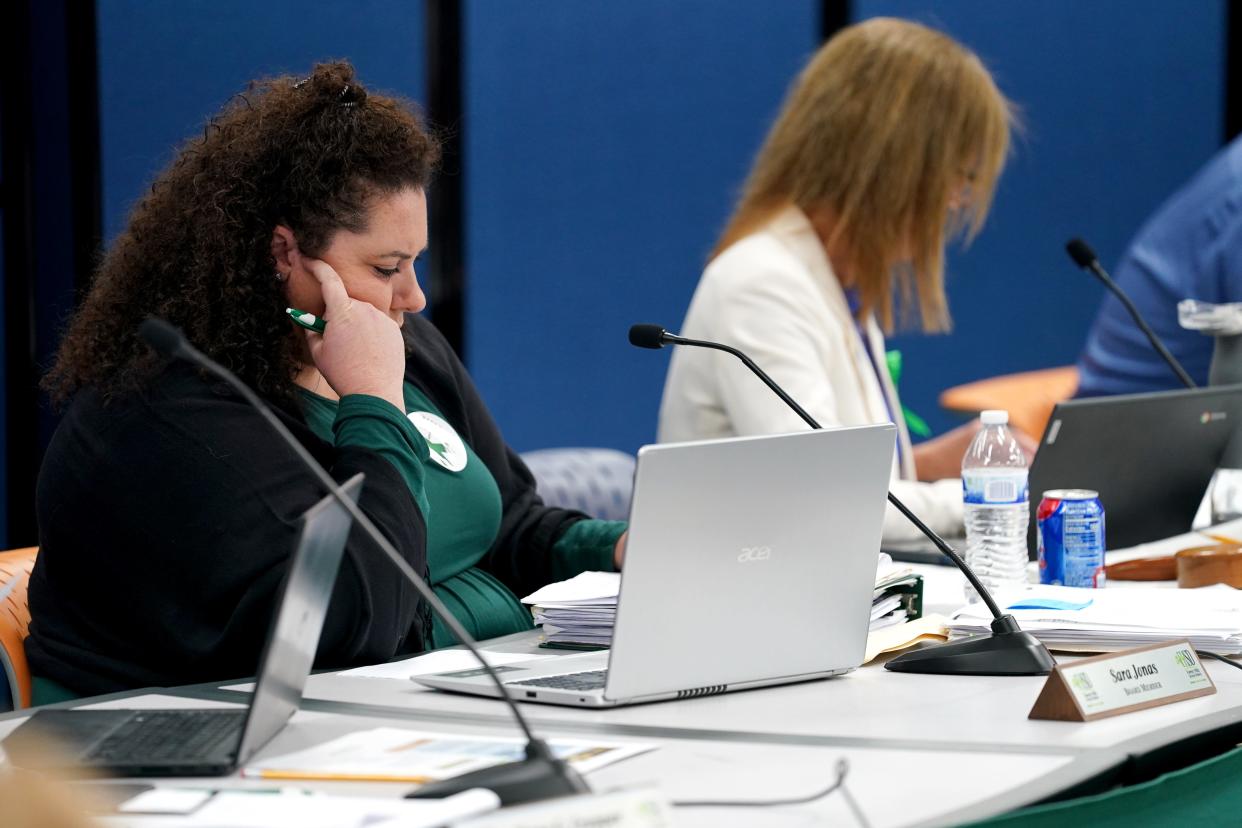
point(167, 509)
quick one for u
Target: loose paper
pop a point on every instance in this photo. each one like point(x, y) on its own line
point(396, 754)
point(440, 661)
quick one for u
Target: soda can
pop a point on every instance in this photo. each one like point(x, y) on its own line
point(1070, 528)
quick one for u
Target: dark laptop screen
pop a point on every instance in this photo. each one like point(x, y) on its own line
point(1150, 456)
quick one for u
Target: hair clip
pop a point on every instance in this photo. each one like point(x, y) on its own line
point(343, 98)
point(359, 95)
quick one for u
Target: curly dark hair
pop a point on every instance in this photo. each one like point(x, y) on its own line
point(309, 154)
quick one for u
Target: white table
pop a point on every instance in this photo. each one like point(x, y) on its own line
point(981, 782)
point(960, 747)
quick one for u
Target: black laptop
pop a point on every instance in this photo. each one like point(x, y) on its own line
point(1150, 456)
point(209, 742)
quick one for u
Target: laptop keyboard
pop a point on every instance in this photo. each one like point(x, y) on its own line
point(591, 680)
point(170, 734)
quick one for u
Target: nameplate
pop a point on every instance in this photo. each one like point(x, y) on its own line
point(1116, 683)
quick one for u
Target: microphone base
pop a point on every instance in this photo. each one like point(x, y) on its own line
point(539, 776)
point(1007, 651)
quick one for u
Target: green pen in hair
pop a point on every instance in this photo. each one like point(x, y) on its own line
point(307, 320)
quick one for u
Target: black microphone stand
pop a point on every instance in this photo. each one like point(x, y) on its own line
point(1085, 257)
point(540, 775)
point(1006, 651)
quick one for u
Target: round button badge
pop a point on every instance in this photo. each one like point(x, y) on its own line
point(447, 449)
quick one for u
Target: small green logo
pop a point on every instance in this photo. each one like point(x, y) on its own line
point(439, 448)
point(1082, 682)
point(445, 446)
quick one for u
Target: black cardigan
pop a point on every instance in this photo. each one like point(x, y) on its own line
point(166, 519)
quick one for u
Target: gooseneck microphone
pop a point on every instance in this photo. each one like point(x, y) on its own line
point(653, 336)
point(1007, 651)
point(1085, 257)
point(540, 775)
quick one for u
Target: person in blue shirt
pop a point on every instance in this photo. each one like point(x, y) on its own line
point(1191, 248)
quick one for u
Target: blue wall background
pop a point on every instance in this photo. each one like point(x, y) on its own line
point(605, 143)
point(164, 69)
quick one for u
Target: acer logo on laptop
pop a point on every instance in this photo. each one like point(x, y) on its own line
point(754, 554)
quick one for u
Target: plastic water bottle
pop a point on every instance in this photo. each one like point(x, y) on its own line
point(995, 498)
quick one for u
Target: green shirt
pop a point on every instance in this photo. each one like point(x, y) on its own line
point(461, 503)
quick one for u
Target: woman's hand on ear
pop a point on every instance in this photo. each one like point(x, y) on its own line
point(361, 350)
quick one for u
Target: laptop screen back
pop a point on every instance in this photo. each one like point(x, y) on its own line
point(302, 605)
point(757, 555)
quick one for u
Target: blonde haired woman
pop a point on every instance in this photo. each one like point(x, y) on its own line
point(891, 140)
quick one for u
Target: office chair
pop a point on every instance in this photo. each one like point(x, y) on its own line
point(15, 565)
point(1206, 793)
point(1029, 397)
point(597, 481)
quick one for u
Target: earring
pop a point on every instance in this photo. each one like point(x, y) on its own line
point(280, 277)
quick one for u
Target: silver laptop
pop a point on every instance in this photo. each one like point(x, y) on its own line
point(750, 561)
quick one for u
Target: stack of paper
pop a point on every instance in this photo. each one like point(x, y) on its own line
point(887, 610)
point(897, 590)
point(579, 612)
point(1099, 620)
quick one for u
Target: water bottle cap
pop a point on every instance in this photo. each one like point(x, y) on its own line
point(994, 416)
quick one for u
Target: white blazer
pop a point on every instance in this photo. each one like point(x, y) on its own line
point(774, 296)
